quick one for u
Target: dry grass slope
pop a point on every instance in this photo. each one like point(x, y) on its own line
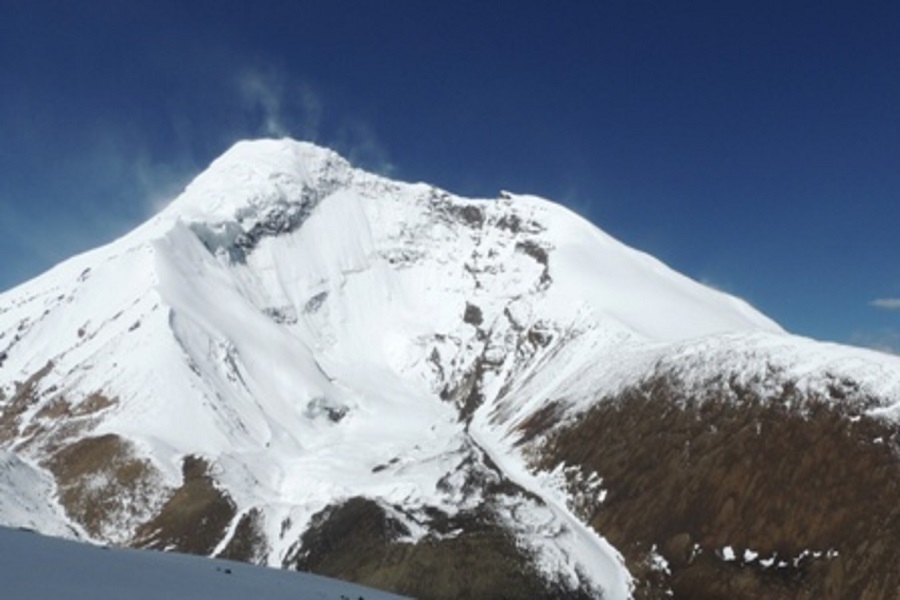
point(691, 476)
point(103, 486)
point(195, 517)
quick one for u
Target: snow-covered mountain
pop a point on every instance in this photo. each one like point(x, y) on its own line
point(304, 365)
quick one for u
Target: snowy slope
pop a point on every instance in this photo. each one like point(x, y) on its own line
point(26, 494)
point(83, 572)
point(316, 333)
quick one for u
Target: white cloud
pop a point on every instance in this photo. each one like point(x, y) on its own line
point(886, 303)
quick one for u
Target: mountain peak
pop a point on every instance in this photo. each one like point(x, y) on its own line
point(255, 173)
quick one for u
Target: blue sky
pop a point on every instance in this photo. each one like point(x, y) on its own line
point(751, 145)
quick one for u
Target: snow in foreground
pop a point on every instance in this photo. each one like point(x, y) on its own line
point(34, 567)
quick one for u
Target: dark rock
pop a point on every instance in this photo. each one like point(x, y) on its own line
point(473, 315)
point(315, 303)
point(539, 254)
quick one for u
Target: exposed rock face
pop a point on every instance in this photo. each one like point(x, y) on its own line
point(754, 499)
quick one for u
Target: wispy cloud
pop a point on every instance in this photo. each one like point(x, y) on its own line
point(114, 172)
point(357, 141)
point(262, 92)
point(310, 106)
point(158, 183)
point(886, 303)
point(111, 183)
point(278, 105)
point(130, 180)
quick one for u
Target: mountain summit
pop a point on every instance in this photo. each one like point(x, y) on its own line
point(304, 365)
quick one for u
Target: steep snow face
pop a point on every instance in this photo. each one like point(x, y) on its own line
point(317, 333)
